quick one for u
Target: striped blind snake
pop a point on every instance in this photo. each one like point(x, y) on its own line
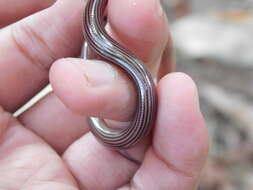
point(99, 43)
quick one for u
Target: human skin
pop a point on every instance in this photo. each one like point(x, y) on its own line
point(49, 146)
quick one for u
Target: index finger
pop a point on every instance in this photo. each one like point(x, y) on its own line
point(13, 10)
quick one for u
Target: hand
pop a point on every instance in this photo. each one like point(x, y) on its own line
point(49, 146)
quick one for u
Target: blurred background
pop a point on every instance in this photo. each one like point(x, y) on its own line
point(213, 42)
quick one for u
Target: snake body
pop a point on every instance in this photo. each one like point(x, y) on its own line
point(101, 44)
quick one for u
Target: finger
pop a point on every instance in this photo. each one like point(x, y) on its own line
point(55, 123)
point(30, 47)
point(86, 92)
point(114, 169)
point(180, 143)
point(11, 11)
point(168, 62)
point(26, 162)
point(145, 32)
point(109, 109)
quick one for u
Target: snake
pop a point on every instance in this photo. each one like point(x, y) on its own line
point(98, 43)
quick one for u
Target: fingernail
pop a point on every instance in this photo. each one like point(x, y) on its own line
point(97, 73)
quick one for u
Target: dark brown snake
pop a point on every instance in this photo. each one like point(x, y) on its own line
point(102, 45)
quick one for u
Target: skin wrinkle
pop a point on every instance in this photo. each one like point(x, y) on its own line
point(77, 182)
point(91, 181)
point(38, 181)
point(19, 169)
point(35, 172)
point(30, 177)
point(189, 177)
point(130, 159)
point(26, 30)
point(170, 166)
point(48, 184)
point(22, 139)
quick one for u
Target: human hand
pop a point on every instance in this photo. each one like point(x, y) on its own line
point(49, 146)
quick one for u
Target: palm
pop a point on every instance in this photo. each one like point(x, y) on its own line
point(26, 162)
point(54, 149)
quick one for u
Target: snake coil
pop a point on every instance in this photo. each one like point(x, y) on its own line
point(101, 44)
